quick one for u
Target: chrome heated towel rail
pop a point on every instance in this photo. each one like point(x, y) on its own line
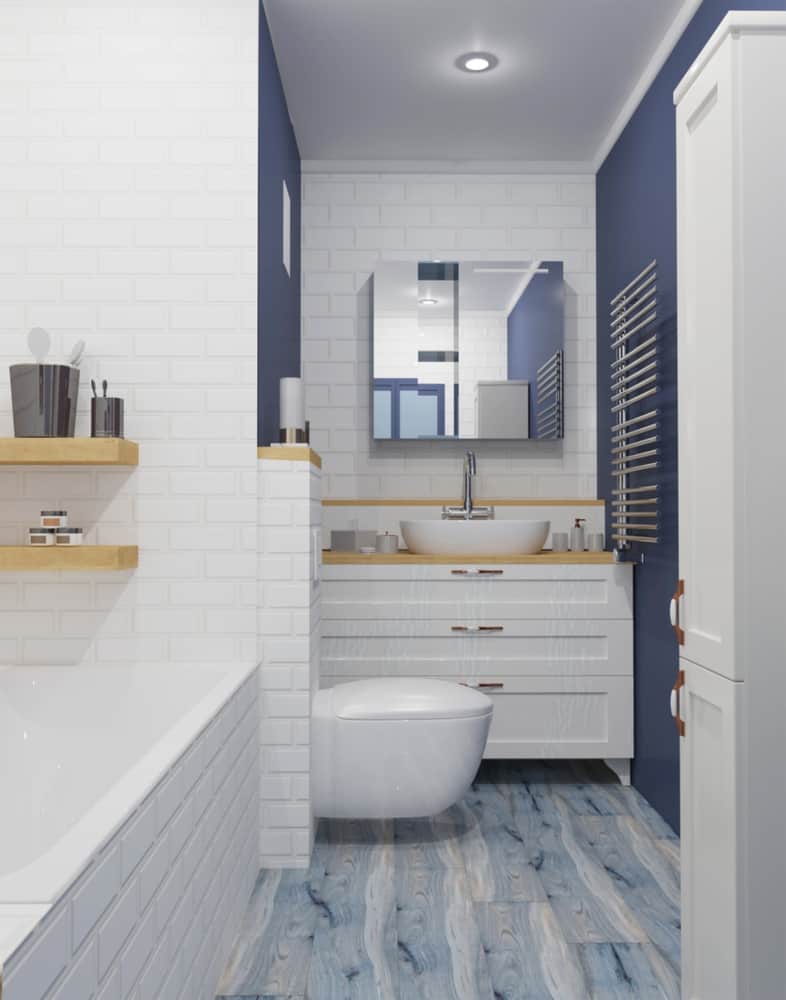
point(635, 432)
point(549, 397)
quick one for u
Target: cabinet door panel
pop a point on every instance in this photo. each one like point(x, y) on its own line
point(706, 279)
point(555, 718)
point(546, 648)
point(516, 592)
point(712, 707)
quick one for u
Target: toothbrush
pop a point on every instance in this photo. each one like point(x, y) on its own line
point(103, 386)
point(93, 384)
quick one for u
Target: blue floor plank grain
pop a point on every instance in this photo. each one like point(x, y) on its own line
point(440, 954)
point(548, 881)
point(355, 944)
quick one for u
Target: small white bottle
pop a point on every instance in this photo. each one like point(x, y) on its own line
point(577, 535)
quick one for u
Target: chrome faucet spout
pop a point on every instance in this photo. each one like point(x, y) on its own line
point(468, 511)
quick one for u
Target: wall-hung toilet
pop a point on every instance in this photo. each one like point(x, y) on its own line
point(395, 747)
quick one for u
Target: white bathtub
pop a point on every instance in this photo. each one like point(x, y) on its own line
point(82, 749)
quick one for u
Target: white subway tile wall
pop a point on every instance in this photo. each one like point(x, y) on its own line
point(128, 218)
point(290, 546)
point(155, 913)
point(351, 221)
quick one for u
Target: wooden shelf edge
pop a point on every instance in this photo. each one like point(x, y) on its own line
point(289, 453)
point(545, 558)
point(68, 451)
point(80, 558)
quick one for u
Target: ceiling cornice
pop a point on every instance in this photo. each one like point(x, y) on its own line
point(653, 67)
point(510, 167)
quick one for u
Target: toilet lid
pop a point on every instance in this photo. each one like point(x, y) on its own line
point(407, 698)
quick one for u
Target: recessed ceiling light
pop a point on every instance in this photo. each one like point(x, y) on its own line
point(427, 302)
point(477, 62)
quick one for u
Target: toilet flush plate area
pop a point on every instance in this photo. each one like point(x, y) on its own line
point(475, 538)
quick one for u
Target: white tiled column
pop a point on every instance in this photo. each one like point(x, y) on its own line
point(290, 515)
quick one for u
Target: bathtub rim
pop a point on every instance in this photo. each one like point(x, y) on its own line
point(38, 886)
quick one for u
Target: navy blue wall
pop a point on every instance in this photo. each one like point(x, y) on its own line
point(278, 307)
point(536, 328)
point(636, 221)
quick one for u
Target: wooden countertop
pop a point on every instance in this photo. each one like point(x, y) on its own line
point(403, 558)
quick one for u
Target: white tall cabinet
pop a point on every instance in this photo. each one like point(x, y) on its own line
point(730, 605)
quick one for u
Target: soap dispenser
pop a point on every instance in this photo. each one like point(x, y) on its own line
point(577, 535)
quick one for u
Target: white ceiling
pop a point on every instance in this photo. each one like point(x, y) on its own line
point(374, 80)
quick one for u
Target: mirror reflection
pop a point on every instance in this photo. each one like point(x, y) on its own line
point(468, 350)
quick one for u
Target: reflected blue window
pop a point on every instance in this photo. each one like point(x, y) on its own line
point(383, 413)
point(404, 409)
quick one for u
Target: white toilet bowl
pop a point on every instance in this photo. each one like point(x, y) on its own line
point(395, 747)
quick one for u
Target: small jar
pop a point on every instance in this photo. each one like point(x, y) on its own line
point(68, 536)
point(54, 518)
point(42, 536)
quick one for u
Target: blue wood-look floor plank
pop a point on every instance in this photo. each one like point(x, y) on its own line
point(432, 842)
point(621, 971)
point(548, 881)
point(497, 867)
point(440, 953)
point(527, 955)
point(273, 952)
point(355, 944)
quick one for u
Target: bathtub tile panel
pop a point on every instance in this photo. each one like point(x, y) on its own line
point(94, 894)
point(82, 979)
point(137, 837)
point(169, 797)
point(153, 977)
point(181, 827)
point(181, 898)
point(136, 953)
point(169, 895)
point(45, 957)
point(117, 926)
point(152, 872)
point(110, 989)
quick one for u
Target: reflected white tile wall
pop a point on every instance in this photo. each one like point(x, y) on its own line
point(351, 220)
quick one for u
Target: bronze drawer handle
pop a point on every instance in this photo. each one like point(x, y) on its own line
point(477, 628)
point(485, 685)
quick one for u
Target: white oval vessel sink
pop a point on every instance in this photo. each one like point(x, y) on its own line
point(475, 538)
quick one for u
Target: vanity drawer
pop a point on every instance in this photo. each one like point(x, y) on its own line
point(432, 648)
point(421, 592)
point(556, 717)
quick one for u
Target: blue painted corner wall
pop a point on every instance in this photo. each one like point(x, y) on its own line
point(636, 221)
point(278, 302)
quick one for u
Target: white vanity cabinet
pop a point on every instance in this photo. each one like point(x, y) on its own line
point(728, 608)
point(551, 644)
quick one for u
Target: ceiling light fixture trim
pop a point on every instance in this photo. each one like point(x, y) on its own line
point(477, 62)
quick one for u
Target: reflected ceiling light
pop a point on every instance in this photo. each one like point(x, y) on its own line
point(477, 62)
point(427, 301)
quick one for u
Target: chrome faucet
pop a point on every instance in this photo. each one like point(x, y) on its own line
point(468, 511)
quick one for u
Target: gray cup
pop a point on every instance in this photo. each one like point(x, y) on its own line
point(106, 417)
point(44, 398)
point(595, 541)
